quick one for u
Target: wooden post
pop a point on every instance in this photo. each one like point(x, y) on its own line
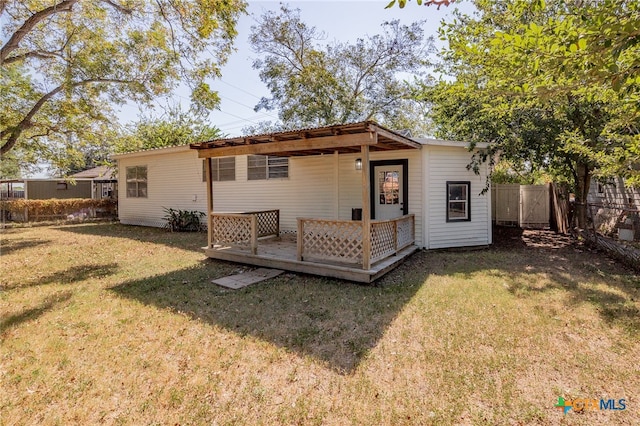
point(209, 202)
point(254, 234)
point(299, 238)
point(366, 209)
point(278, 223)
point(395, 235)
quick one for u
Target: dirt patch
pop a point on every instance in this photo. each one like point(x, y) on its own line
point(509, 237)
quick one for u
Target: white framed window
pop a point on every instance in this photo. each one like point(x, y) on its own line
point(458, 201)
point(267, 167)
point(222, 169)
point(137, 182)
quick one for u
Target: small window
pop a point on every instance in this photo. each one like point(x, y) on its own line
point(61, 186)
point(458, 201)
point(222, 169)
point(267, 167)
point(137, 182)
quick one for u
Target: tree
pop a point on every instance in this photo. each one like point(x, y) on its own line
point(437, 3)
point(64, 64)
point(527, 79)
point(174, 128)
point(314, 84)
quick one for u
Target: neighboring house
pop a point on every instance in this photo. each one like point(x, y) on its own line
point(613, 192)
point(611, 203)
point(419, 187)
point(105, 184)
point(42, 189)
point(93, 183)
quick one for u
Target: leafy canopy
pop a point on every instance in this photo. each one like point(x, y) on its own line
point(64, 64)
point(176, 127)
point(541, 84)
point(313, 83)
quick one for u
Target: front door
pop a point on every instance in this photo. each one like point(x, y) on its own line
point(388, 191)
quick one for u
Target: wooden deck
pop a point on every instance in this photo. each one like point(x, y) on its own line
point(281, 253)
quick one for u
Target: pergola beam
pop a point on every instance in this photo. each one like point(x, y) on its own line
point(309, 144)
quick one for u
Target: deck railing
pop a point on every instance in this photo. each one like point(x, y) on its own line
point(242, 230)
point(388, 237)
point(330, 240)
point(341, 240)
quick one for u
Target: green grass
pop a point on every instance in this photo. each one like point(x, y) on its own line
point(115, 324)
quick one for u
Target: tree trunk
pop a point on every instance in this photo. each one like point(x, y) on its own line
point(583, 182)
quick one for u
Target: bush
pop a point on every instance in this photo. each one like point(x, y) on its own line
point(55, 207)
point(183, 220)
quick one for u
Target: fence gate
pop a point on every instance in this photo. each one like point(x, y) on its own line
point(526, 206)
point(507, 204)
point(534, 206)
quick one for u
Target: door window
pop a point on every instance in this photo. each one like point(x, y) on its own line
point(389, 187)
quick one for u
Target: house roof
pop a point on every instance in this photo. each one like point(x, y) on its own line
point(144, 152)
point(344, 138)
point(102, 172)
point(443, 142)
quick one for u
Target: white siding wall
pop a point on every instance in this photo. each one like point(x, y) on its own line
point(319, 187)
point(308, 192)
point(174, 180)
point(444, 163)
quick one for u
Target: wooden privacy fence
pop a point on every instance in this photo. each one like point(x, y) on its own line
point(526, 206)
point(341, 240)
point(242, 230)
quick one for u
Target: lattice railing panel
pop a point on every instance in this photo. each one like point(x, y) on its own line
point(383, 239)
point(232, 229)
point(405, 231)
point(268, 222)
point(332, 240)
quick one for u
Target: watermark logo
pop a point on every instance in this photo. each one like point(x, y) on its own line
point(590, 404)
point(562, 404)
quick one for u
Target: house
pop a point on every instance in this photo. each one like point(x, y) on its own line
point(348, 201)
point(613, 192)
point(94, 183)
point(104, 181)
point(612, 202)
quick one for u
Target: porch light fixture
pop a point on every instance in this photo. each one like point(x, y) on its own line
point(358, 163)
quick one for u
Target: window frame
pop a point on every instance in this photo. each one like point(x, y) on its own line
point(273, 167)
point(215, 169)
point(467, 201)
point(137, 181)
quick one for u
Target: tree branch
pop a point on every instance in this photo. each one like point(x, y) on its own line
point(14, 42)
point(40, 54)
point(118, 7)
point(13, 133)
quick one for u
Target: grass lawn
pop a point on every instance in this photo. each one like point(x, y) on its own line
point(104, 323)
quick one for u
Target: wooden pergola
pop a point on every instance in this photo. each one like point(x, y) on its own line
point(363, 138)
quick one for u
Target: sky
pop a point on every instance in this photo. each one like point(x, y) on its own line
point(240, 87)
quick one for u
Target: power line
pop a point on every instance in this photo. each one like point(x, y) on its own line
point(239, 88)
point(247, 106)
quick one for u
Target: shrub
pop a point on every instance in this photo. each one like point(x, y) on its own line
point(55, 207)
point(183, 220)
